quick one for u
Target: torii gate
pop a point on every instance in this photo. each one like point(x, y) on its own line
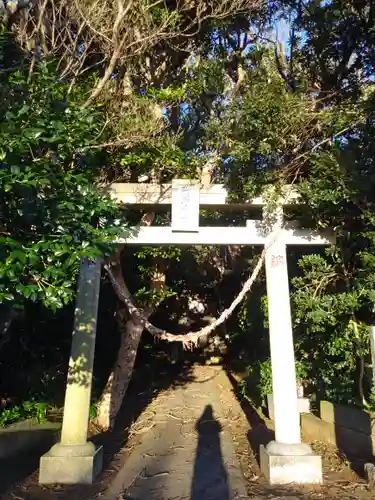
point(74, 460)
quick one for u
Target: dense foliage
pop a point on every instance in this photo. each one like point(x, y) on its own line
point(51, 212)
point(331, 61)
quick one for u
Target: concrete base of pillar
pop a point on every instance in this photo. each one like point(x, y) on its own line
point(70, 467)
point(291, 468)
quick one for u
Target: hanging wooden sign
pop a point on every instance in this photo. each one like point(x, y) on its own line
point(185, 205)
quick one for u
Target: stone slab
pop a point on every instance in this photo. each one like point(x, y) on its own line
point(349, 441)
point(27, 437)
point(286, 469)
point(70, 469)
point(346, 416)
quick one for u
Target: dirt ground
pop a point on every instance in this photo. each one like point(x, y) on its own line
point(190, 439)
point(249, 430)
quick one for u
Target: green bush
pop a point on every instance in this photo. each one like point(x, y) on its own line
point(26, 410)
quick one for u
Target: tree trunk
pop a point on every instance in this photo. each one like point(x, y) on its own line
point(118, 381)
point(131, 331)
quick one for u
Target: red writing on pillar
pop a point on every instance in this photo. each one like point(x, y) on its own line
point(277, 261)
point(88, 262)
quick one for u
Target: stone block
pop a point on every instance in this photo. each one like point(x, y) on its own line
point(346, 416)
point(289, 469)
point(315, 429)
point(303, 406)
point(349, 441)
point(70, 469)
point(26, 437)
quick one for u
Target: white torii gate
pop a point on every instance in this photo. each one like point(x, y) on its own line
point(286, 460)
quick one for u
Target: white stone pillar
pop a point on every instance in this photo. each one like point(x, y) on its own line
point(74, 460)
point(287, 419)
point(285, 460)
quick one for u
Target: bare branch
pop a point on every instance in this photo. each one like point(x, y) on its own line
point(118, 29)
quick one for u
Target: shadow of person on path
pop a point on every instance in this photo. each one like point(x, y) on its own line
point(210, 479)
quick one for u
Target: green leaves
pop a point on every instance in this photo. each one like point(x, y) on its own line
point(326, 304)
point(33, 133)
point(50, 207)
point(35, 410)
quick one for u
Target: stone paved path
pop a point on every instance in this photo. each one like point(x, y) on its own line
point(186, 451)
point(191, 441)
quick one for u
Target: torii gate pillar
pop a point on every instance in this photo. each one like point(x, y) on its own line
point(287, 459)
point(74, 460)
